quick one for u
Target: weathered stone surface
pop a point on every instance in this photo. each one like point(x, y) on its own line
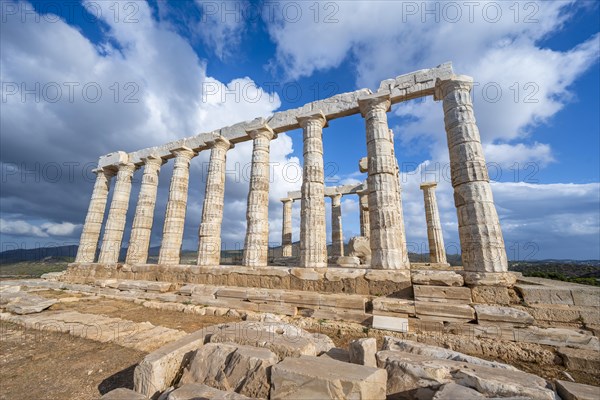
point(322, 378)
point(359, 246)
point(435, 352)
point(451, 311)
point(4, 289)
point(491, 295)
point(198, 391)
point(580, 360)
point(407, 373)
point(362, 352)
point(391, 305)
point(348, 261)
point(576, 391)
point(337, 354)
point(436, 278)
point(557, 337)
point(286, 231)
point(397, 324)
point(545, 295)
point(442, 294)
point(26, 303)
point(506, 279)
point(285, 340)
point(437, 252)
point(123, 394)
point(502, 314)
point(589, 297)
point(452, 391)
point(158, 370)
point(232, 367)
point(53, 276)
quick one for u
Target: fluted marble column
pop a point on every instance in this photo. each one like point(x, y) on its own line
point(256, 245)
point(437, 253)
point(363, 198)
point(88, 244)
point(115, 224)
point(170, 247)
point(286, 231)
point(385, 218)
point(209, 247)
point(313, 239)
point(139, 242)
point(337, 236)
point(399, 201)
point(481, 241)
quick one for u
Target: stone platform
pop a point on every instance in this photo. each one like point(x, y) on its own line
point(393, 283)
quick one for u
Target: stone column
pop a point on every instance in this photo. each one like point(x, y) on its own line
point(88, 244)
point(437, 253)
point(384, 214)
point(364, 213)
point(170, 247)
point(209, 247)
point(139, 242)
point(286, 231)
point(256, 245)
point(399, 201)
point(481, 241)
point(337, 237)
point(115, 224)
point(313, 239)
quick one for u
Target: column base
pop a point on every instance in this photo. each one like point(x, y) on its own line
point(506, 279)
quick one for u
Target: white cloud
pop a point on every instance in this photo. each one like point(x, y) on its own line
point(20, 227)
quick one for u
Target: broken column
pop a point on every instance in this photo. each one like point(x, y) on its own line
point(437, 253)
point(115, 224)
point(256, 246)
point(337, 237)
point(313, 240)
point(170, 247)
point(88, 244)
point(286, 231)
point(139, 242)
point(481, 241)
point(363, 198)
point(384, 216)
point(209, 247)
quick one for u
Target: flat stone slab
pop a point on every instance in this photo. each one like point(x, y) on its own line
point(451, 311)
point(391, 305)
point(502, 314)
point(396, 324)
point(577, 391)
point(533, 294)
point(452, 391)
point(26, 303)
point(198, 391)
point(436, 278)
point(443, 294)
point(309, 377)
point(580, 359)
point(123, 394)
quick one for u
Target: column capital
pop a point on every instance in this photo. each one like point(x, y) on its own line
point(376, 101)
point(262, 131)
point(286, 200)
point(428, 185)
point(220, 142)
point(127, 167)
point(153, 159)
point(456, 82)
point(107, 171)
point(336, 199)
point(316, 117)
point(184, 152)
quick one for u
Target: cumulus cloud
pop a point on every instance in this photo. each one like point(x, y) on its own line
point(19, 227)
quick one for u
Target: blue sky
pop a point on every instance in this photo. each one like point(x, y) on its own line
point(193, 66)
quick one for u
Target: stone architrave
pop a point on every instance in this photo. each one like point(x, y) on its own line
point(384, 214)
point(437, 253)
point(88, 244)
point(481, 241)
point(256, 246)
point(286, 232)
point(139, 242)
point(364, 213)
point(115, 224)
point(337, 236)
point(313, 239)
point(170, 247)
point(209, 234)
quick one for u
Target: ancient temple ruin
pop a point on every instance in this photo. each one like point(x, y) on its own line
point(482, 245)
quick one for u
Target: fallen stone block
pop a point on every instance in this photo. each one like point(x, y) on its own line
point(580, 360)
point(501, 314)
point(123, 394)
point(197, 391)
point(323, 378)
point(159, 369)
point(337, 354)
point(362, 352)
point(396, 324)
point(53, 276)
point(29, 304)
point(232, 367)
point(577, 391)
point(452, 391)
point(436, 278)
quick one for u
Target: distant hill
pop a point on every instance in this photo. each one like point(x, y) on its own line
point(38, 254)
